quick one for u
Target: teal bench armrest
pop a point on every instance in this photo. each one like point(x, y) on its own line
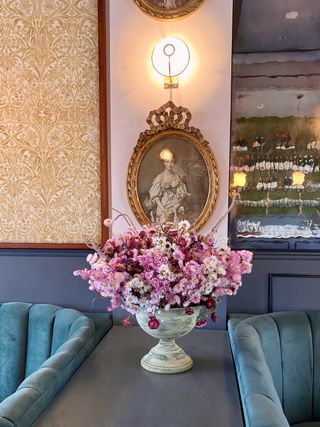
point(260, 401)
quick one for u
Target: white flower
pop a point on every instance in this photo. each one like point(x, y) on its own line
point(136, 283)
point(184, 225)
point(208, 287)
point(131, 299)
point(165, 273)
point(161, 244)
point(211, 267)
point(222, 283)
point(221, 271)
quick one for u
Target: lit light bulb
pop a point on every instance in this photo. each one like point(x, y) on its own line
point(239, 180)
point(170, 58)
point(298, 178)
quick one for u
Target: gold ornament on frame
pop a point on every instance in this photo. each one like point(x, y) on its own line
point(168, 9)
point(172, 174)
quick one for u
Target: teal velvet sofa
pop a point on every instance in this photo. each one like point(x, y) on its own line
point(277, 359)
point(41, 346)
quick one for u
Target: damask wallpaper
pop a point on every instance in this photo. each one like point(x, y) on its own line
point(49, 121)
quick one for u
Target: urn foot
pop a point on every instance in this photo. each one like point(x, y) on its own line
point(166, 358)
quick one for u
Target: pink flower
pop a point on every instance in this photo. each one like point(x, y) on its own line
point(194, 297)
point(126, 322)
point(92, 258)
point(219, 292)
point(108, 222)
point(84, 274)
point(246, 256)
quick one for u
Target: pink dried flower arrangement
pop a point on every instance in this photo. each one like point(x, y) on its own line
point(162, 267)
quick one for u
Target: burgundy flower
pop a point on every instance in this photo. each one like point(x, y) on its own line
point(148, 243)
point(142, 234)
point(201, 323)
point(214, 317)
point(134, 243)
point(210, 303)
point(197, 246)
point(182, 241)
point(153, 323)
point(173, 233)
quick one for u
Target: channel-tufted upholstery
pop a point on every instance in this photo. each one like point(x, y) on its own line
point(41, 346)
point(277, 358)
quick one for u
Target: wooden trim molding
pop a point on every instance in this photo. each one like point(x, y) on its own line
point(102, 44)
point(102, 40)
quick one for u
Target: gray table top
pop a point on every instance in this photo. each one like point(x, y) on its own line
point(111, 389)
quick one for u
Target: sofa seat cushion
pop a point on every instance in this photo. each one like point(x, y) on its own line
point(311, 424)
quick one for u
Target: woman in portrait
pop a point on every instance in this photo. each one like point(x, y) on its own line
point(170, 4)
point(168, 192)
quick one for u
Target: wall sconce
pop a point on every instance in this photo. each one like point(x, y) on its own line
point(170, 58)
point(298, 178)
point(239, 180)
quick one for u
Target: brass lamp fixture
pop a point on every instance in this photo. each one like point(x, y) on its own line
point(239, 182)
point(298, 179)
point(170, 58)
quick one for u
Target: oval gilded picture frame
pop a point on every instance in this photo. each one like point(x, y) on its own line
point(168, 9)
point(172, 150)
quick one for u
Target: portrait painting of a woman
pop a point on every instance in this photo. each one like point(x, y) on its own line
point(168, 192)
point(173, 182)
point(168, 9)
point(169, 4)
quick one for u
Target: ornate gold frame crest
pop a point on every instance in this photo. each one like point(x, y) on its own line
point(160, 13)
point(172, 121)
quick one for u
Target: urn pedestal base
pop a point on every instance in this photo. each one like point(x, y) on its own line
point(167, 358)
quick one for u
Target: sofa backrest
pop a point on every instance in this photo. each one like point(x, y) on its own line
point(290, 343)
point(30, 334)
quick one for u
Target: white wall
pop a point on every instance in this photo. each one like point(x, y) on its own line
point(135, 89)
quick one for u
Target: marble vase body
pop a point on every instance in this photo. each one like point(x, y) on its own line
point(167, 357)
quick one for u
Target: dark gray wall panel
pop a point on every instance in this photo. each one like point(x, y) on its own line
point(253, 296)
point(305, 290)
point(45, 276)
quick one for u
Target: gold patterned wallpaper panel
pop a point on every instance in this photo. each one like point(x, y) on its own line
point(49, 121)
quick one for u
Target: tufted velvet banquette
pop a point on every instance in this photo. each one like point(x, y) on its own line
point(41, 346)
point(277, 358)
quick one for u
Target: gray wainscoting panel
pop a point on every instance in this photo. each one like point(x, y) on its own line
point(46, 276)
point(254, 295)
point(304, 288)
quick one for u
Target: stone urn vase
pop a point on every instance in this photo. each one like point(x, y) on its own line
point(167, 357)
